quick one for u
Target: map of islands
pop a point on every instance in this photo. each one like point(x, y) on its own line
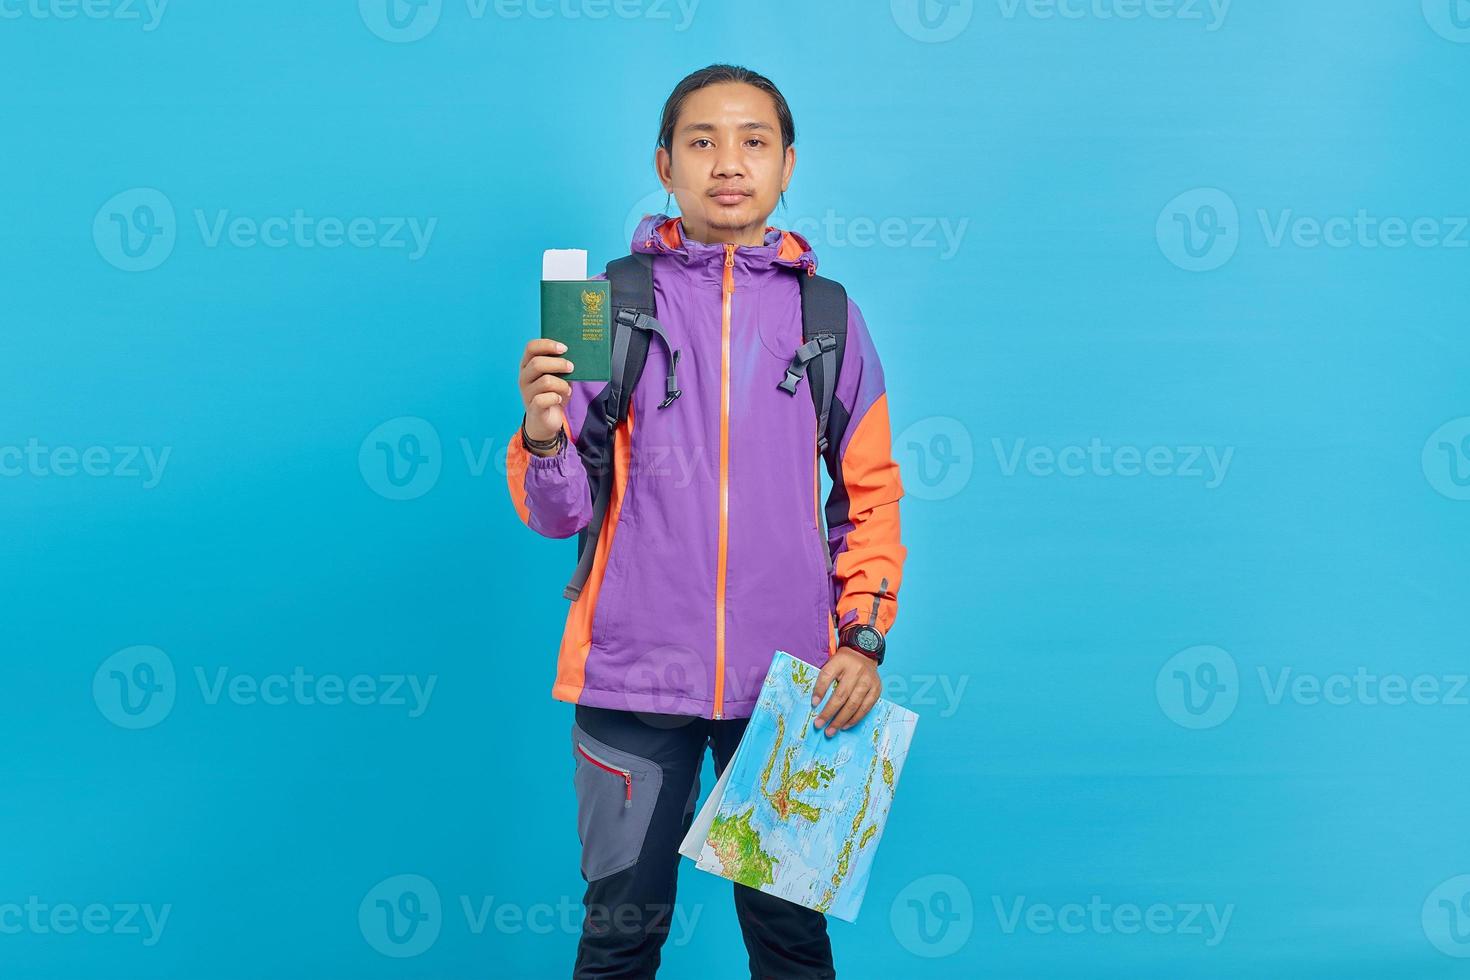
point(797, 814)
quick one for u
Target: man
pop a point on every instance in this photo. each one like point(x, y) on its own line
point(709, 557)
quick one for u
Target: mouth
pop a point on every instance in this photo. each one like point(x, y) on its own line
point(728, 196)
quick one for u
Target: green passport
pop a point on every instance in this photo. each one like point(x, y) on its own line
point(577, 312)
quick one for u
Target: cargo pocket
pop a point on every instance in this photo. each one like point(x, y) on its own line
point(616, 793)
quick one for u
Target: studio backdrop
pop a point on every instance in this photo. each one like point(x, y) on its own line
point(1171, 299)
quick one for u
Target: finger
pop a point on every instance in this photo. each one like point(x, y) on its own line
point(870, 698)
point(541, 345)
point(545, 400)
point(850, 710)
point(542, 364)
point(825, 677)
point(550, 382)
point(841, 691)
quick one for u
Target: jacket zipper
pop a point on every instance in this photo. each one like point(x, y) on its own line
point(727, 291)
point(627, 776)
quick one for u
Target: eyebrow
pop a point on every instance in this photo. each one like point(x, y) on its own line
point(703, 127)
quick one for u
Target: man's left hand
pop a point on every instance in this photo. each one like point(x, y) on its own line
point(857, 689)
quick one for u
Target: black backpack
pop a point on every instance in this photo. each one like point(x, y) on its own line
point(824, 340)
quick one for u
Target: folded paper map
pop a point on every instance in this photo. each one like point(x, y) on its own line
point(797, 814)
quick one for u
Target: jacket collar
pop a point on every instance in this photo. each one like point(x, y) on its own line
point(659, 234)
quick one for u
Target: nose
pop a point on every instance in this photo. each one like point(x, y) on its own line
point(729, 161)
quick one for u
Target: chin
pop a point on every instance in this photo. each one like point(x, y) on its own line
point(726, 220)
point(742, 217)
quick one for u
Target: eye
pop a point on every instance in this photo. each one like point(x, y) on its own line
point(701, 140)
point(756, 141)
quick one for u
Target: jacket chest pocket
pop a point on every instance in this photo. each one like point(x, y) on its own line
point(779, 326)
point(616, 793)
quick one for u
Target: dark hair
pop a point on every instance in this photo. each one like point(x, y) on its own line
point(716, 75)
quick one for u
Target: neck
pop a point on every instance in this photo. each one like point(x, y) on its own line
point(698, 230)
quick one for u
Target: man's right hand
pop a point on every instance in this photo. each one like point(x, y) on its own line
point(543, 390)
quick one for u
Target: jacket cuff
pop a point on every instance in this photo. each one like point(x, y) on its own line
point(555, 463)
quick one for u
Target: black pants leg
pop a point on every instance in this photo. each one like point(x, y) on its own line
point(785, 941)
point(637, 779)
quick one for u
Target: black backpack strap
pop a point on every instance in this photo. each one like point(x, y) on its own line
point(824, 341)
point(631, 278)
point(633, 325)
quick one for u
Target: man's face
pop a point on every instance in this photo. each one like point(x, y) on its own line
point(727, 169)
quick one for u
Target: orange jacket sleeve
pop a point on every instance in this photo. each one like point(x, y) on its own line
point(862, 507)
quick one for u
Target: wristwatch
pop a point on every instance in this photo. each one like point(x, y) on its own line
point(864, 639)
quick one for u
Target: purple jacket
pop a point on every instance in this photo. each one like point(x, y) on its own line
point(711, 556)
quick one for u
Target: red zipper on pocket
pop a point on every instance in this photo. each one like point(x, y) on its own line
point(627, 776)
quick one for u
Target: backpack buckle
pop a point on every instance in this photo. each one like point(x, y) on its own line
point(670, 390)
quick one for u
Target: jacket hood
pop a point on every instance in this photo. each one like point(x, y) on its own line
point(660, 234)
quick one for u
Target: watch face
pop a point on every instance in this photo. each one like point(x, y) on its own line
point(867, 640)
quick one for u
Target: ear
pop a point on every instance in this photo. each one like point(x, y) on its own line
point(787, 168)
point(663, 166)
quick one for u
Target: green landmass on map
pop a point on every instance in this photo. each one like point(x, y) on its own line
point(738, 846)
point(813, 777)
point(801, 674)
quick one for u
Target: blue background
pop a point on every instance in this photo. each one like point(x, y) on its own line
point(1074, 763)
